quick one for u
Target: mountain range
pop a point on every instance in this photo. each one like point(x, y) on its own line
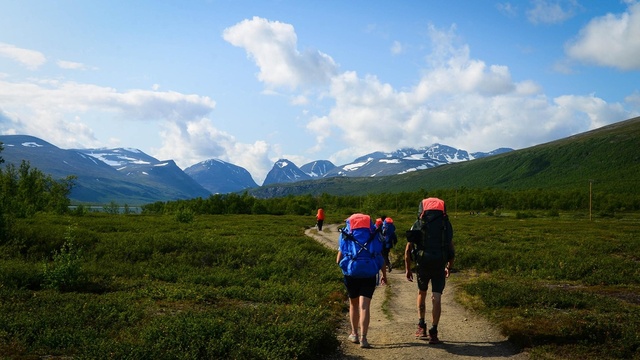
point(375, 164)
point(127, 175)
point(606, 158)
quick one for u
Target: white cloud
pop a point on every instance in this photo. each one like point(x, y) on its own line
point(198, 140)
point(551, 12)
point(71, 65)
point(321, 128)
point(273, 47)
point(598, 112)
point(507, 9)
point(60, 112)
point(54, 110)
point(29, 58)
point(610, 40)
point(397, 48)
point(458, 101)
point(633, 100)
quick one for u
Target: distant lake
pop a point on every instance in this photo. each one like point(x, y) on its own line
point(108, 208)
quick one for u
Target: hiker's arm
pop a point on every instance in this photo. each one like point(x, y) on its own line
point(383, 279)
point(452, 256)
point(407, 262)
point(339, 257)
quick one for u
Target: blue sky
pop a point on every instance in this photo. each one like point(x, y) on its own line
point(250, 82)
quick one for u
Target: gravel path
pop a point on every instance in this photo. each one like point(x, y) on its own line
point(391, 335)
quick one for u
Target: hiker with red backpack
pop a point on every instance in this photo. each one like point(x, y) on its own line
point(430, 246)
point(360, 259)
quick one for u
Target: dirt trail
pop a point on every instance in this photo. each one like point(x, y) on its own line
point(391, 335)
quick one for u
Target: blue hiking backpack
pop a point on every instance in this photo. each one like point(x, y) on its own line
point(361, 247)
point(389, 233)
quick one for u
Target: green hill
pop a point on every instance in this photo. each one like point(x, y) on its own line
point(607, 157)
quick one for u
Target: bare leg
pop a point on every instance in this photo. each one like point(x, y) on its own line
point(421, 303)
point(354, 315)
point(436, 300)
point(365, 315)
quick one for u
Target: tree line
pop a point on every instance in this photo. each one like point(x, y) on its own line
point(461, 199)
point(25, 191)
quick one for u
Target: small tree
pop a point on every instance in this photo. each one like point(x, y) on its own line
point(185, 215)
point(65, 273)
point(112, 208)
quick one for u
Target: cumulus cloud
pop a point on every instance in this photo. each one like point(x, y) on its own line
point(196, 140)
point(273, 47)
point(507, 9)
point(71, 65)
point(54, 109)
point(397, 48)
point(458, 101)
point(611, 40)
point(633, 100)
point(551, 12)
point(31, 59)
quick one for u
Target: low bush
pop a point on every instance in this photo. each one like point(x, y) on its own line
point(149, 287)
point(558, 285)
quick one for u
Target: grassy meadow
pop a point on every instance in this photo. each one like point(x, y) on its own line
point(255, 287)
point(151, 287)
point(559, 284)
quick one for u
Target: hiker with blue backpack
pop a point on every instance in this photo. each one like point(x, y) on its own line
point(360, 259)
point(389, 239)
point(430, 246)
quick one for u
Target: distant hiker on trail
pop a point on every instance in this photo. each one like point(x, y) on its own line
point(390, 239)
point(360, 259)
point(430, 245)
point(320, 219)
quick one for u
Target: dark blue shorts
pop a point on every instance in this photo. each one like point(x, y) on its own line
point(357, 287)
point(436, 276)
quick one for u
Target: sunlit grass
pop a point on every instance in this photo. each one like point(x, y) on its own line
point(249, 286)
point(215, 287)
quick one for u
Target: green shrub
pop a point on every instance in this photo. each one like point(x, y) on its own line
point(185, 215)
point(525, 215)
point(64, 272)
point(19, 274)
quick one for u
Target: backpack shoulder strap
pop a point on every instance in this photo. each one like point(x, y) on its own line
point(361, 247)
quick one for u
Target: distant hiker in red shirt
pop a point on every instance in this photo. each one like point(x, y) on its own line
point(320, 219)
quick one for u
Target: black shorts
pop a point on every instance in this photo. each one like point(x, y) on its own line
point(357, 287)
point(436, 276)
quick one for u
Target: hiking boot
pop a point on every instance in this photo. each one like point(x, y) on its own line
point(353, 338)
point(421, 333)
point(433, 337)
point(364, 343)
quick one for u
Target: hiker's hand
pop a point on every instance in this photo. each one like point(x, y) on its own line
point(447, 272)
point(383, 280)
point(409, 275)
